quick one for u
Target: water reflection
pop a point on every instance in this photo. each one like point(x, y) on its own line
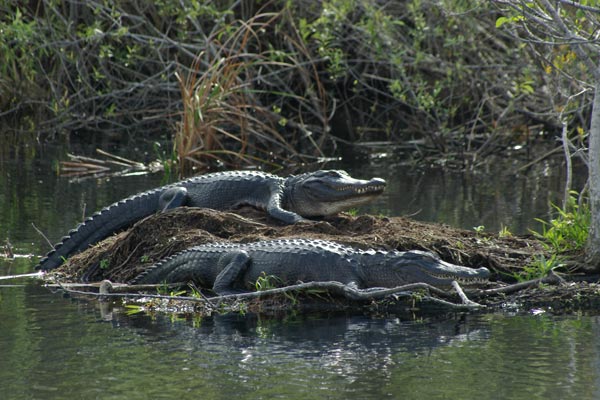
point(53, 347)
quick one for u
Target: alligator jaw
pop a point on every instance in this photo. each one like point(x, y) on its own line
point(444, 273)
point(328, 192)
point(373, 187)
point(480, 278)
point(426, 267)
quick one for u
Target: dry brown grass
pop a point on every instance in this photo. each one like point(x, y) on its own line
point(223, 122)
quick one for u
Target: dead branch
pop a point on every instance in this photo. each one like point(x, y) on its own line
point(107, 289)
point(32, 275)
point(552, 278)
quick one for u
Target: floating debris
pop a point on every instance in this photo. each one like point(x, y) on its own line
point(82, 167)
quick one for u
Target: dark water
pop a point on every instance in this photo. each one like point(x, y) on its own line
point(53, 347)
point(56, 348)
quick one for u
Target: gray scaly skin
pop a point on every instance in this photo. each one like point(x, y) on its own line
point(229, 268)
point(289, 200)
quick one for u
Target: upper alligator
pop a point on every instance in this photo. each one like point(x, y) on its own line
point(233, 268)
point(311, 194)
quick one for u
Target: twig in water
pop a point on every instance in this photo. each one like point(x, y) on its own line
point(121, 160)
point(112, 288)
point(193, 286)
point(32, 275)
point(8, 251)
point(540, 159)
point(42, 235)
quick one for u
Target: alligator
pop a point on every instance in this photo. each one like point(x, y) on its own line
point(290, 200)
point(231, 268)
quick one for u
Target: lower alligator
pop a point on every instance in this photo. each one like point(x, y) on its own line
point(228, 268)
point(289, 200)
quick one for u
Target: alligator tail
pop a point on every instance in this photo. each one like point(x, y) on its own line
point(110, 219)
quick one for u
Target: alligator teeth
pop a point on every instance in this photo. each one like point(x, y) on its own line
point(459, 279)
point(362, 190)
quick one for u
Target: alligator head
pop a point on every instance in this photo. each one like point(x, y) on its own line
point(328, 192)
point(400, 268)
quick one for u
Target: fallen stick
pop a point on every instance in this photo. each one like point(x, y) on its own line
point(107, 290)
point(31, 275)
point(551, 278)
point(114, 287)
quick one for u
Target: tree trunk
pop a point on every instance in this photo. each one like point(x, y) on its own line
point(593, 243)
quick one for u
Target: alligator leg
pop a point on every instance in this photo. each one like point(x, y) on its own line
point(276, 211)
point(233, 266)
point(172, 198)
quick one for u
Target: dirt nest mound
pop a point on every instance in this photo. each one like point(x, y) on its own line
point(121, 257)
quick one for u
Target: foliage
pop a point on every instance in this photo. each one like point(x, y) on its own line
point(505, 232)
point(168, 160)
point(353, 212)
point(415, 70)
point(221, 112)
point(194, 291)
point(267, 282)
point(479, 229)
point(565, 34)
point(539, 268)
point(288, 78)
point(104, 264)
point(567, 231)
point(562, 38)
point(166, 291)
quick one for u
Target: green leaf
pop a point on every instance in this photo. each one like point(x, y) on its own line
point(501, 21)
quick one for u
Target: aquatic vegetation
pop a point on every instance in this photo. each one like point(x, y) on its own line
point(223, 122)
point(168, 160)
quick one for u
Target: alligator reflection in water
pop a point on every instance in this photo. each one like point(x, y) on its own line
point(453, 356)
point(346, 345)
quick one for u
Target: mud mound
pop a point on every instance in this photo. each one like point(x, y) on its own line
point(121, 257)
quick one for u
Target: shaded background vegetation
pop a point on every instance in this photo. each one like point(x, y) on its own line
point(246, 82)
